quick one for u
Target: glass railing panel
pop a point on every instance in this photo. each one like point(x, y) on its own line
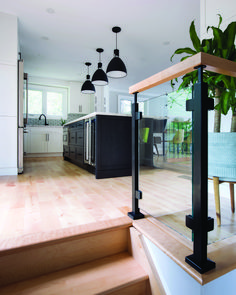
point(222, 165)
point(166, 159)
point(165, 178)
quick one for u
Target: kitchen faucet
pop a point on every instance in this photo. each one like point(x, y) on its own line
point(44, 117)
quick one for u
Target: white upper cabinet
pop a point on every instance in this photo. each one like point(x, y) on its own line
point(9, 40)
point(78, 102)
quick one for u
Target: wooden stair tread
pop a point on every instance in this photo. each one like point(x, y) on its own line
point(103, 276)
point(34, 260)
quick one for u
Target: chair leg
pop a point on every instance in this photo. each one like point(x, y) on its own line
point(217, 199)
point(231, 188)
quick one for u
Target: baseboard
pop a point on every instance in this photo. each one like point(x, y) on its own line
point(39, 155)
point(8, 171)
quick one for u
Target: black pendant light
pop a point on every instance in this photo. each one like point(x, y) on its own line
point(116, 68)
point(99, 77)
point(88, 87)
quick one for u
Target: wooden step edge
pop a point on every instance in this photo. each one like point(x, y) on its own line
point(137, 287)
point(139, 251)
point(40, 239)
point(33, 261)
point(108, 275)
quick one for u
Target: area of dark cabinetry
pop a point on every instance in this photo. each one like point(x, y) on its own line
point(110, 144)
point(74, 150)
point(66, 151)
point(113, 146)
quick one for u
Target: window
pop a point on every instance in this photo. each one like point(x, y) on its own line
point(51, 101)
point(125, 105)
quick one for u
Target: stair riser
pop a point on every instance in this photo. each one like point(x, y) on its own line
point(30, 262)
point(139, 288)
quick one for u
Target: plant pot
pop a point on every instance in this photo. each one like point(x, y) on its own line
point(222, 156)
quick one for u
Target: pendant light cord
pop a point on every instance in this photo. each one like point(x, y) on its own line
point(116, 40)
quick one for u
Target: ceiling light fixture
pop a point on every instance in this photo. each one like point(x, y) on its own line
point(88, 87)
point(116, 68)
point(99, 77)
point(50, 10)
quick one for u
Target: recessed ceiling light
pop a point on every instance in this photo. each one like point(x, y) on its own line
point(50, 10)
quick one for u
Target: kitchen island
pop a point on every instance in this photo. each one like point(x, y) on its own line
point(100, 143)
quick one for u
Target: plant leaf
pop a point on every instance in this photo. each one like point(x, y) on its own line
point(220, 20)
point(186, 50)
point(185, 57)
point(225, 102)
point(230, 34)
point(207, 46)
point(218, 107)
point(194, 37)
point(218, 36)
point(224, 79)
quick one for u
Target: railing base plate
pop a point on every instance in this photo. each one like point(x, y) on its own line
point(208, 265)
point(135, 216)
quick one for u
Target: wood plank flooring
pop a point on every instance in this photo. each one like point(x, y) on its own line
point(53, 194)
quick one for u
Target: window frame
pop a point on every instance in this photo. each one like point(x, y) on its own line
point(45, 89)
point(128, 98)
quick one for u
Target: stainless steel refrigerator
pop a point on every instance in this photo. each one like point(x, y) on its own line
point(22, 112)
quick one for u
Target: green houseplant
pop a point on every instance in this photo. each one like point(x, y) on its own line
point(221, 87)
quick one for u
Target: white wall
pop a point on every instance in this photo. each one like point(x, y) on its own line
point(209, 10)
point(157, 107)
point(8, 94)
point(113, 102)
point(176, 281)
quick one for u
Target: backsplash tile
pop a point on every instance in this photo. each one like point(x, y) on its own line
point(74, 116)
point(53, 122)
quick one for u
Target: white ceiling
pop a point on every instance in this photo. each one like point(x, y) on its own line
point(58, 36)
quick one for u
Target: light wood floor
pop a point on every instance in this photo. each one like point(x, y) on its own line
point(54, 194)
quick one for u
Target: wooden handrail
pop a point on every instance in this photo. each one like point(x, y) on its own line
point(213, 64)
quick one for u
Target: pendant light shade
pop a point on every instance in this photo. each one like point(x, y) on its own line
point(116, 67)
point(99, 77)
point(88, 87)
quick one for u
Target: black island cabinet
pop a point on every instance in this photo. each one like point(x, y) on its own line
point(100, 143)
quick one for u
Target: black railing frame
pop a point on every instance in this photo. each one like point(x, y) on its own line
point(199, 222)
point(136, 193)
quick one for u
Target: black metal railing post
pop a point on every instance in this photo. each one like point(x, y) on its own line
point(136, 193)
point(199, 221)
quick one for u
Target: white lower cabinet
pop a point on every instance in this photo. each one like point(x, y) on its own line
point(55, 144)
point(43, 140)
